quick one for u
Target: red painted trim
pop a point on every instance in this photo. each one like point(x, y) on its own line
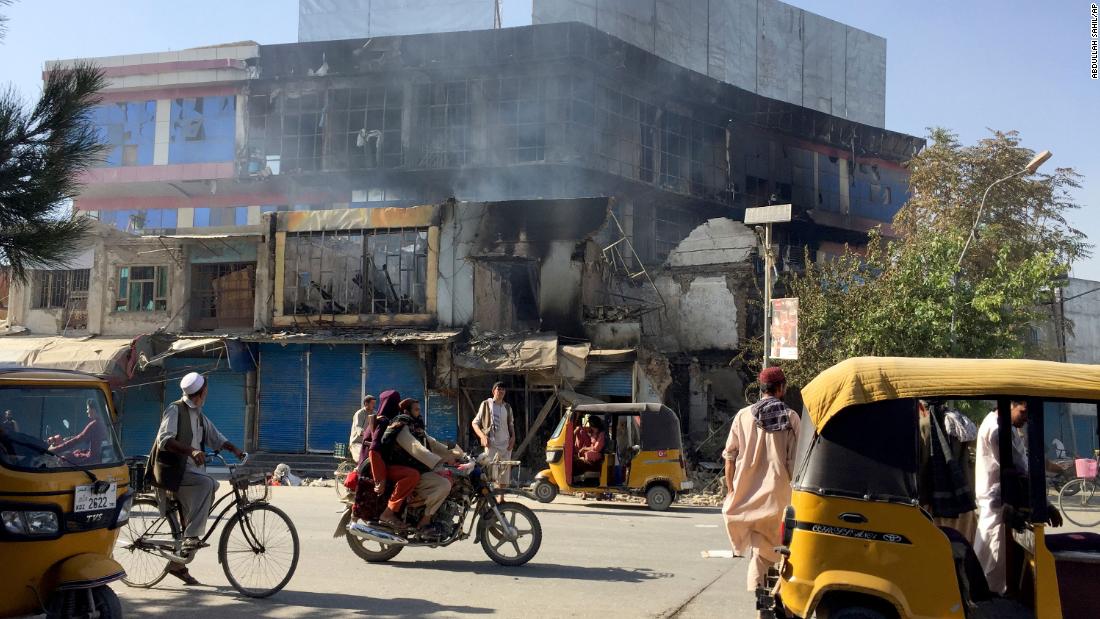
point(160, 173)
point(146, 94)
point(239, 199)
point(829, 151)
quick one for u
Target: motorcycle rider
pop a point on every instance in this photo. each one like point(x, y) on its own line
point(405, 443)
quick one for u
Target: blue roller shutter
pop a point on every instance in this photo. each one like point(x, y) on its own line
point(225, 402)
point(283, 398)
point(139, 412)
point(442, 417)
point(335, 382)
point(395, 368)
point(608, 379)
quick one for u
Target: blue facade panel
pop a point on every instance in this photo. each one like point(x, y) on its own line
point(203, 130)
point(139, 413)
point(395, 368)
point(441, 417)
point(335, 382)
point(128, 129)
point(608, 380)
point(225, 402)
point(283, 398)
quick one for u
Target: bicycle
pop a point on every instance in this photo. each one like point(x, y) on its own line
point(258, 548)
point(1079, 499)
point(344, 466)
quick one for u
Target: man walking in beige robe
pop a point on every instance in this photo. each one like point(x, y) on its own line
point(759, 457)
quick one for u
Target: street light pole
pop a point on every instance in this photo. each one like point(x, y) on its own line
point(1030, 168)
point(767, 292)
point(766, 216)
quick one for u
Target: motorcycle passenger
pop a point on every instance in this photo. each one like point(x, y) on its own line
point(404, 478)
point(405, 443)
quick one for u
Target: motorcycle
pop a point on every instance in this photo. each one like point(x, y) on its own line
point(509, 532)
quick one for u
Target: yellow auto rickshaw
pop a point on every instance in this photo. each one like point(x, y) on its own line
point(63, 494)
point(863, 536)
point(641, 455)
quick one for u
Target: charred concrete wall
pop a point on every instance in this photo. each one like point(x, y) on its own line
point(766, 46)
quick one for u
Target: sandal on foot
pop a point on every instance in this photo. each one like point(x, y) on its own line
point(183, 574)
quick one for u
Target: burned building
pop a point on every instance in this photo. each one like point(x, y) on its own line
point(549, 204)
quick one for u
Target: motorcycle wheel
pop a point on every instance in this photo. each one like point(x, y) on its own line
point(372, 551)
point(494, 539)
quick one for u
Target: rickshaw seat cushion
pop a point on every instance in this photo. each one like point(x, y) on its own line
point(1073, 542)
point(1076, 578)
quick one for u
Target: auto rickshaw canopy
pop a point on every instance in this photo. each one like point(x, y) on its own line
point(660, 426)
point(863, 380)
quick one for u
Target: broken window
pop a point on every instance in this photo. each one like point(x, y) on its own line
point(203, 129)
point(142, 289)
point(127, 129)
point(361, 272)
point(443, 114)
point(506, 295)
point(363, 128)
point(519, 117)
point(54, 288)
point(222, 295)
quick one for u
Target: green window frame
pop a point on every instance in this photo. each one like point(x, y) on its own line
point(142, 289)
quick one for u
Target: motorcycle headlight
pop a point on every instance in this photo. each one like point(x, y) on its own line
point(40, 523)
point(13, 522)
point(124, 510)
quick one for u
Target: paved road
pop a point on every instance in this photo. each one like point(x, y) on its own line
point(597, 558)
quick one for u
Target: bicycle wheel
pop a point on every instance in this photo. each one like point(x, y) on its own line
point(143, 564)
point(339, 475)
point(259, 550)
point(1079, 501)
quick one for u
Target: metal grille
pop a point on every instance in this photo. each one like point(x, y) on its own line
point(53, 288)
point(222, 295)
point(363, 272)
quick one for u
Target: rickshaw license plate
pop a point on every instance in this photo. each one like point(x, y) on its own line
point(86, 500)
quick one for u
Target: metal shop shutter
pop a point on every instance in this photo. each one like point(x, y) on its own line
point(335, 381)
point(395, 368)
point(139, 412)
point(608, 379)
point(225, 402)
point(283, 398)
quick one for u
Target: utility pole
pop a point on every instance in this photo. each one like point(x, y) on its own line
point(766, 216)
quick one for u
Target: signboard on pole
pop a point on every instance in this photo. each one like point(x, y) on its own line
point(774, 214)
point(784, 329)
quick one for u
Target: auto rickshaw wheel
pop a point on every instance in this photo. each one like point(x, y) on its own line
point(545, 491)
point(658, 498)
point(99, 601)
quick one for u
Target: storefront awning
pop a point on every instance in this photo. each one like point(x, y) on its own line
point(392, 337)
point(101, 356)
point(532, 353)
point(203, 344)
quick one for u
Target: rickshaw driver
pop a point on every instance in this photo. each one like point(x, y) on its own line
point(990, 541)
point(178, 459)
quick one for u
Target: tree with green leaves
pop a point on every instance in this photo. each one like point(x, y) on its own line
point(43, 152)
point(920, 293)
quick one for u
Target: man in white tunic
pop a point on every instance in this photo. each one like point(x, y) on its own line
point(495, 426)
point(759, 457)
point(990, 543)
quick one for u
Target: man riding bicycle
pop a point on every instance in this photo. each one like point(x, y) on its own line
point(177, 462)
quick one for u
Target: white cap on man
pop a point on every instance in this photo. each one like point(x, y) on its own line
point(192, 383)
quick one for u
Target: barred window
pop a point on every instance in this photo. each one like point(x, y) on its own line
point(142, 289)
point(53, 288)
point(382, 271)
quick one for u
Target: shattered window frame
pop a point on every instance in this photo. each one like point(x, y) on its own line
point(324, 272)
point(142, 288)
point(54, 287)
point(444, 120)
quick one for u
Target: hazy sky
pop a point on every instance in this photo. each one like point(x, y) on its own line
point(968, 66)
